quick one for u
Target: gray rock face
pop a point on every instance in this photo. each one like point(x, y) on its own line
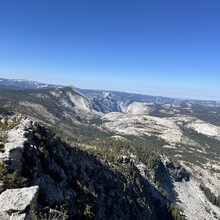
point(14, 147)
point(52, 190)
point(15, 200)
point(4, 216)
point(177, 172)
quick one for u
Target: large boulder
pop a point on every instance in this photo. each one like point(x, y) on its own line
point(13, 201)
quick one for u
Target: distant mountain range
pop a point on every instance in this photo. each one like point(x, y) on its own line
point(24, 84)
point(105, 101)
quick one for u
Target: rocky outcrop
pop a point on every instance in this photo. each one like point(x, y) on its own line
point(178, 172)
point(13, 149)
point(15, 202)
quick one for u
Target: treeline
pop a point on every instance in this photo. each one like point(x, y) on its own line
point(215, 200)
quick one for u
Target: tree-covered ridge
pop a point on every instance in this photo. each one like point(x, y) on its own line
point(120, 158)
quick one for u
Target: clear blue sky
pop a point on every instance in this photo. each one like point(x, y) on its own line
point(161, 47)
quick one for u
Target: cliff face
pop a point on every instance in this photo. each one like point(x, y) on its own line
point(41, 175)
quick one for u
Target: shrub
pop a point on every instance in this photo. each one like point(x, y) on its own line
point(11, 179)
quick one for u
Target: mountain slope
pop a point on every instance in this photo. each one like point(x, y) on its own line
point(64, 109)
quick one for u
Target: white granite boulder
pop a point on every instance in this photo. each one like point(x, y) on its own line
point(17, 200)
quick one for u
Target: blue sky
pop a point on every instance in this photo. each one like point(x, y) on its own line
point(169, 48)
